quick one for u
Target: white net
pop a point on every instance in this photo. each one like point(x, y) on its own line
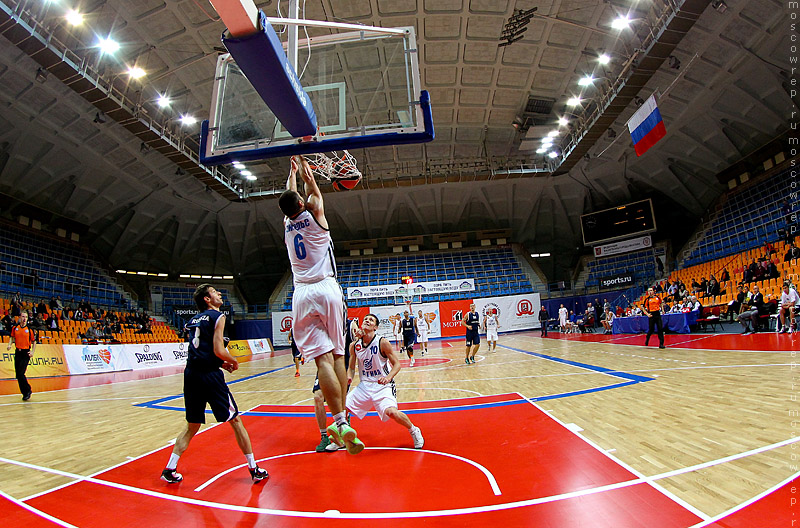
point(339, 165)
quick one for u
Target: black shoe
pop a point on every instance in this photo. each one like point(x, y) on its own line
point(26, 397)
point(661, 346)
point(258, 474)
point(171, 476)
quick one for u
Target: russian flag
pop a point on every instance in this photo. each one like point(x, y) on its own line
point(646, 126)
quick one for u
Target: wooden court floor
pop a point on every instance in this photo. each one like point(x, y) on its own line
point(729, 413)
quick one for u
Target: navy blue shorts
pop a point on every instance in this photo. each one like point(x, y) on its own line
point(201, 388)
point(473, 337)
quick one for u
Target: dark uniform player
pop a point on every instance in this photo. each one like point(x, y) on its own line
point(204, 382)
point(472, 321)
point(652, 309)
point(296, 355)
point(409, 333)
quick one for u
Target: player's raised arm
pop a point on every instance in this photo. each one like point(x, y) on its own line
point(291, 181)
point(313, 194)
point(388, 352)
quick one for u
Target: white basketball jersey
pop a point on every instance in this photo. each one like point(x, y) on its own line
point(491, 322)
point(372, 365)
point(423, 325)
point(310, 248)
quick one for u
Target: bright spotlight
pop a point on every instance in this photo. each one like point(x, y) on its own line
point(621, 22)
point(573, 101)
point(604, 59)
point(108, 45)
point(586, 81)
point(188, 120)
point(163, 101)
point(136, 72)
point(74, 17)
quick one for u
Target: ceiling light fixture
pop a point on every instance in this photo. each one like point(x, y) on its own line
point(573, 101)
point(163, 101)
point(586, 81)
point(188, 120)
point(603, 59)
point(563, 121)
point(74, 17)
point(553, 154)
point(108, 46)
point(621, 22)
point(238, 165)
point(552, 133)
point(136, 72)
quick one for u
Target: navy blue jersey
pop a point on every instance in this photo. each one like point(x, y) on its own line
point(201, 341)
point(408, 325)
point(472, 320)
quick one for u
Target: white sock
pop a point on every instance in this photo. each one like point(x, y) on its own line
point(173, 461)
point(340, 419)
point(251, 460)
point(323, 432)
point(413, 429)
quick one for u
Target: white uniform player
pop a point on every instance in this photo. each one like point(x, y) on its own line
point(317, 304)
point(377, 366)
point(562, 318)
point(490, 324)
point(423, 328)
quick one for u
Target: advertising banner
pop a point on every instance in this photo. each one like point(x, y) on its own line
point(155, 355)
point(47, 360)
point(239, 348)
point(417, 288)
point(260, 346)
point(281, 325)
point(622, 280)
point(452, 313)
point(90, 359)
point(515, 312)
point(624, 246)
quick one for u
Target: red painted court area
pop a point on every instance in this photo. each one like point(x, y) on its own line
point(488, 461)
point(768, 341)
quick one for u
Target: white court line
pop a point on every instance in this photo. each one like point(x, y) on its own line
point(77, 401)
point(486, 472)
point(411, 388)
point(40, 513)
point(417, 514)
point(126, 461)
point(746, 503)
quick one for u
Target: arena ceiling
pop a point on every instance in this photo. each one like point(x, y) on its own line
point(727, 98)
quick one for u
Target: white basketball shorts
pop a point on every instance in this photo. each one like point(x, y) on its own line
point(318, 318)
point(423, 337)
point(370, 395)
point(491, 334)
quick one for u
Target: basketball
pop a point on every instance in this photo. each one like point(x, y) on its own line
point(345, 183)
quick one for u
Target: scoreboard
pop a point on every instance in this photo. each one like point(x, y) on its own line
point(617, 223)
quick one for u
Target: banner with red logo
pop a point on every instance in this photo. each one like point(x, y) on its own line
point(47, 360)
point(515, 312)
point(281, 325)
point(89, 359)
point(452, 313)
point(389, 316)
point(260, 346)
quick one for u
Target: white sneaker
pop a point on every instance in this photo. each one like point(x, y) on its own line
point(416, 434)
point(333, 446)
point(412, 362)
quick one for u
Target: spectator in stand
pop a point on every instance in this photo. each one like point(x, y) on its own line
point(16, 307)
point(52, 323)
point(789, 299)
point(41, 308)
point(703, 287)
point(53, 304)
point(8, 324)
point(619, 311)
point(16, 298)
point(92, 333)
point(38, 323)
point(696, 304)
point(608, 321)
point(695, 286)
point(78, 316)
point(786, 210)
point(713, 289)
point(792, 253)
point(772, 271)
point(735, 306)
point(725, 277)
point(589, 316)
point(673, 290)
point(754, 308)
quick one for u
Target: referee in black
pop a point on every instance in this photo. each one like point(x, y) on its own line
point(652, 309)
point(204, 383)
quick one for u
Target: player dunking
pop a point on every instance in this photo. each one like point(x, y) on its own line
point(490, 323)
point(377, 367)
point(203, 382)
point(317, 304)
